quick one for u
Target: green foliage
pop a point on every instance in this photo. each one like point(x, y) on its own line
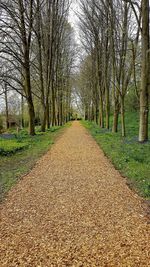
point(20, 141)
point(9, 147)
point(21, 153)
point(130, 157)
point(131, 100)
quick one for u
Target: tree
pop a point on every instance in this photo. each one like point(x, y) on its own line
point(145, 75)
point(113, 37)
point(16, 28)
point(37, 56)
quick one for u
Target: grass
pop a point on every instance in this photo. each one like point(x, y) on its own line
point(129, 156)
point(19, 154)
point(10, 147)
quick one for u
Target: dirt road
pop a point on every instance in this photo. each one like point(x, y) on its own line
point(73, 209)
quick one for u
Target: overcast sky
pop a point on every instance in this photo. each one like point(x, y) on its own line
point(73, 19)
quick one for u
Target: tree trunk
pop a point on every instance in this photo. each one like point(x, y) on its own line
point(143, 127)
point(40, 63)
point(6, 106)
point(115, 95)
point(26, 42)
point(123, 130)
point(30, 102)
point(115, 121)
point(107, 107)
point(92, 113)
point(43, 124)
point(22, 112)
point(116, 113)
point(31, 117)
point(47, 115)
point(97, 114)
point(145, 79)
point(86, 112)
point(53, 108)
point(29, 97)
point(101, 112)
point(61, 114)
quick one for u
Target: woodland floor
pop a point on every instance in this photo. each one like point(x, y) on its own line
point(74, 209)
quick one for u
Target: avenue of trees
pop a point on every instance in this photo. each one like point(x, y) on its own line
point(116, 38)
point(36, 59)
point(38, 55)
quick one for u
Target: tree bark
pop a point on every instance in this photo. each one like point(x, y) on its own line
point(43, 123)
point(6, 107)
point(39, 41)
point(53, 106)
point(107, 107)
point(29, 100)
point(115, 121)
point(123, 130)
point(101, 112)
point(26, 42)
point(22, 111)
point(47, 114)
point(86, 112)
point(145, 75)
point(31, 116)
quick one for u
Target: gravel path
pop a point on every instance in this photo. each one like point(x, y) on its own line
point(74, 209)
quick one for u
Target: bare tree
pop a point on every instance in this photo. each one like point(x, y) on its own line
point(16, 28)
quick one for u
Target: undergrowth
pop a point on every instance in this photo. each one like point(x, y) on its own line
point(129, 156)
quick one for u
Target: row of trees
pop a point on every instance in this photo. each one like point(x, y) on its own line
point(37, 57)
point(115, 36)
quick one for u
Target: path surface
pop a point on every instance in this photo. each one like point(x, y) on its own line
point(73, 209)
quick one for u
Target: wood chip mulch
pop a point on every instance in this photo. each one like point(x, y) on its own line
point(74, 209)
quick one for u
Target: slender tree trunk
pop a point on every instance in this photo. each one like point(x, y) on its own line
point(43, 124)
point(106, 62)
point(6, 107)
point(96, 109)
point(123, 130)
point(26, 42)
point(30, 102)
point(107, 107)
point(115, 95)
point(86, 112)
point(145, 81)
point(53, 107)
point(61, 114)
point(39, 41)
point(68, 104)
point(22, 111)
point(61, 103)
point(93, 113)
point(115, 121)
point(116, 113)
point(97, 112)
point(47, 114)
point(31, 116)
point(101, 112)
point(28, 92)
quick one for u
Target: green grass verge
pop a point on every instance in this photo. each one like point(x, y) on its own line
point(9, 147)
point(19, 154)
point(130, 157)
